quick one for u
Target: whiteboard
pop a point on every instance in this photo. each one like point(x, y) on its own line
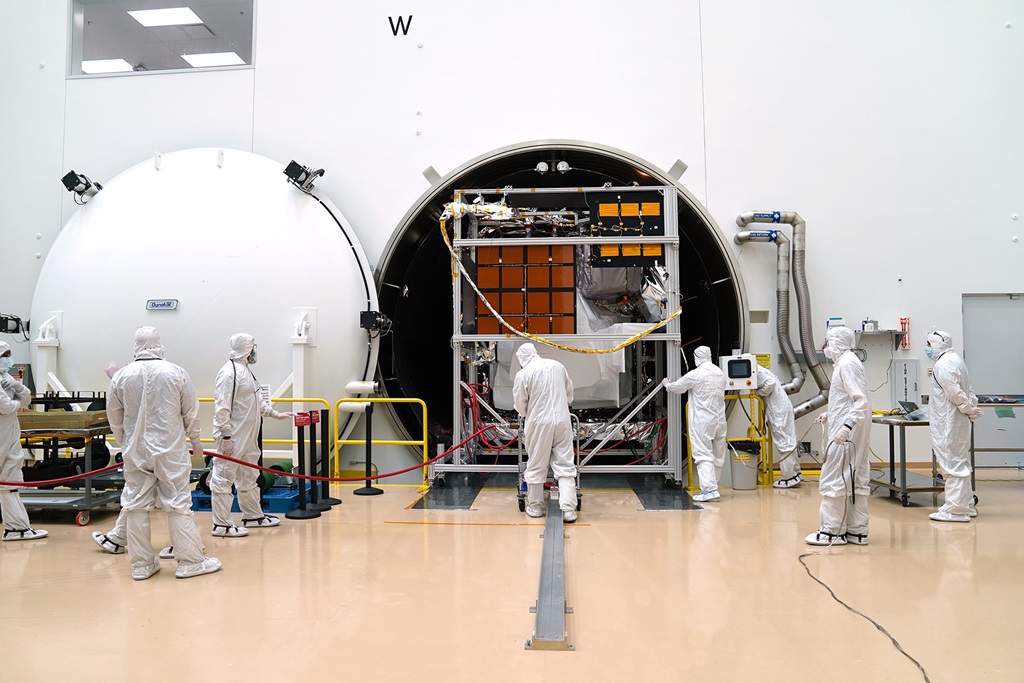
point(993, 328)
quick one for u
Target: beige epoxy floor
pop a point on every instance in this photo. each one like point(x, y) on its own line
point(376, 591)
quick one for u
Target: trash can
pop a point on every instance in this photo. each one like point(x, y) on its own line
point(744, 456)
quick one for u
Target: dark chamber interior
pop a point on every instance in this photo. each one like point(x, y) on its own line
point(415, 283)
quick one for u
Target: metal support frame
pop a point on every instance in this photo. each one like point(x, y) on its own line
point(670, 336)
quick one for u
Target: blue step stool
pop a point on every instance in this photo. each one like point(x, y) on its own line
point(275, 499)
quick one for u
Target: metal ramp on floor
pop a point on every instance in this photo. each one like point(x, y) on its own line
point(549, 630)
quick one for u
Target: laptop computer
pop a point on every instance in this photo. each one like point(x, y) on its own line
point(911, 411)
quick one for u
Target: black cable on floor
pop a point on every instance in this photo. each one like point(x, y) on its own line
point(895, 642)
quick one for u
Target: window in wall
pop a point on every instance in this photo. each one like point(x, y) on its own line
point(132, 36)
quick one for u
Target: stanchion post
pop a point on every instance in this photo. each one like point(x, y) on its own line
point(302, 420)
point(369, 490)
point(314, 489)
point(325, 459)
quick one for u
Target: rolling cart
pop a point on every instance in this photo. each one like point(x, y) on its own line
point(521, 465)
point(81, 501)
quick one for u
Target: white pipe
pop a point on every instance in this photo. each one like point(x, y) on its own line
point(361, 387)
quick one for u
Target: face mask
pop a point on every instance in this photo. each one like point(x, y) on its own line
point(831, 352)
point(252, 357)
point(928, 351)
point(7, 362)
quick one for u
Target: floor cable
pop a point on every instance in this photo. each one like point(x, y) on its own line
point(881, 628)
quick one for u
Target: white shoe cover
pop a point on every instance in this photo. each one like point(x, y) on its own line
point(707, 496)
point(940, 516)
point(788, 483)
point(263, 522)
point(207, 566)
point(167, 553)
point(973, 512)
point(144, 571)
point(229, 531)
point(824, 538)
point(567, 499)
point(24, 534)
point(103, 541)
point(856, 539)
point(535, 500)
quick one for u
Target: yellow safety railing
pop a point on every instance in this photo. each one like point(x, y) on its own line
point(382, 442)
point(756, 431)
point(284, 399)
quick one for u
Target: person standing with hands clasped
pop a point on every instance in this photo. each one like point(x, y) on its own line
point(237, 413)
point(152, 409)
point(705, 420)
point(953, 408)
point(13, 396)
point(845, 475)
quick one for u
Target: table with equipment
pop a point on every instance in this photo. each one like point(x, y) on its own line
point(59, 429)
point(1001, 441)
point(906, 482)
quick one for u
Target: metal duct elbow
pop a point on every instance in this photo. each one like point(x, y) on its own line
point(813, 403)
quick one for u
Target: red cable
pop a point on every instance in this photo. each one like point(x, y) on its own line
point(662, 431)
point(630, 436)
point(474, 406)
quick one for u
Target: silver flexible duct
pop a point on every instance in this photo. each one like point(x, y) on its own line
point(803, 299)
point(782, 301)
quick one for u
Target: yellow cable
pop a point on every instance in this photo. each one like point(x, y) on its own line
point(527, 335)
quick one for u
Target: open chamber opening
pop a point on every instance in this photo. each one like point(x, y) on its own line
point(573, 242)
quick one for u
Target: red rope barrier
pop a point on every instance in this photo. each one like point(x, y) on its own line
point(62, 480)
point(308, 477)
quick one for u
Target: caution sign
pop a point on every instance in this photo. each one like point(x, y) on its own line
point(764, 360)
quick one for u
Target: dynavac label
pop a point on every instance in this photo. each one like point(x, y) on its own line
point(161, 304)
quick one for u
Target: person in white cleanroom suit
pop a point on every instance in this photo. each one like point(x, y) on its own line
point(153, 410)
point(844, 481)
point(953, 407)
point(13, 395)
point(238, 408)
point(542, 392)
point(782, 421)
point(115, 541)
point(705, 421)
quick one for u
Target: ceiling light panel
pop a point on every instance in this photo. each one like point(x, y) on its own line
point(172, 16)
point(105, 66)
point(214, 59)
